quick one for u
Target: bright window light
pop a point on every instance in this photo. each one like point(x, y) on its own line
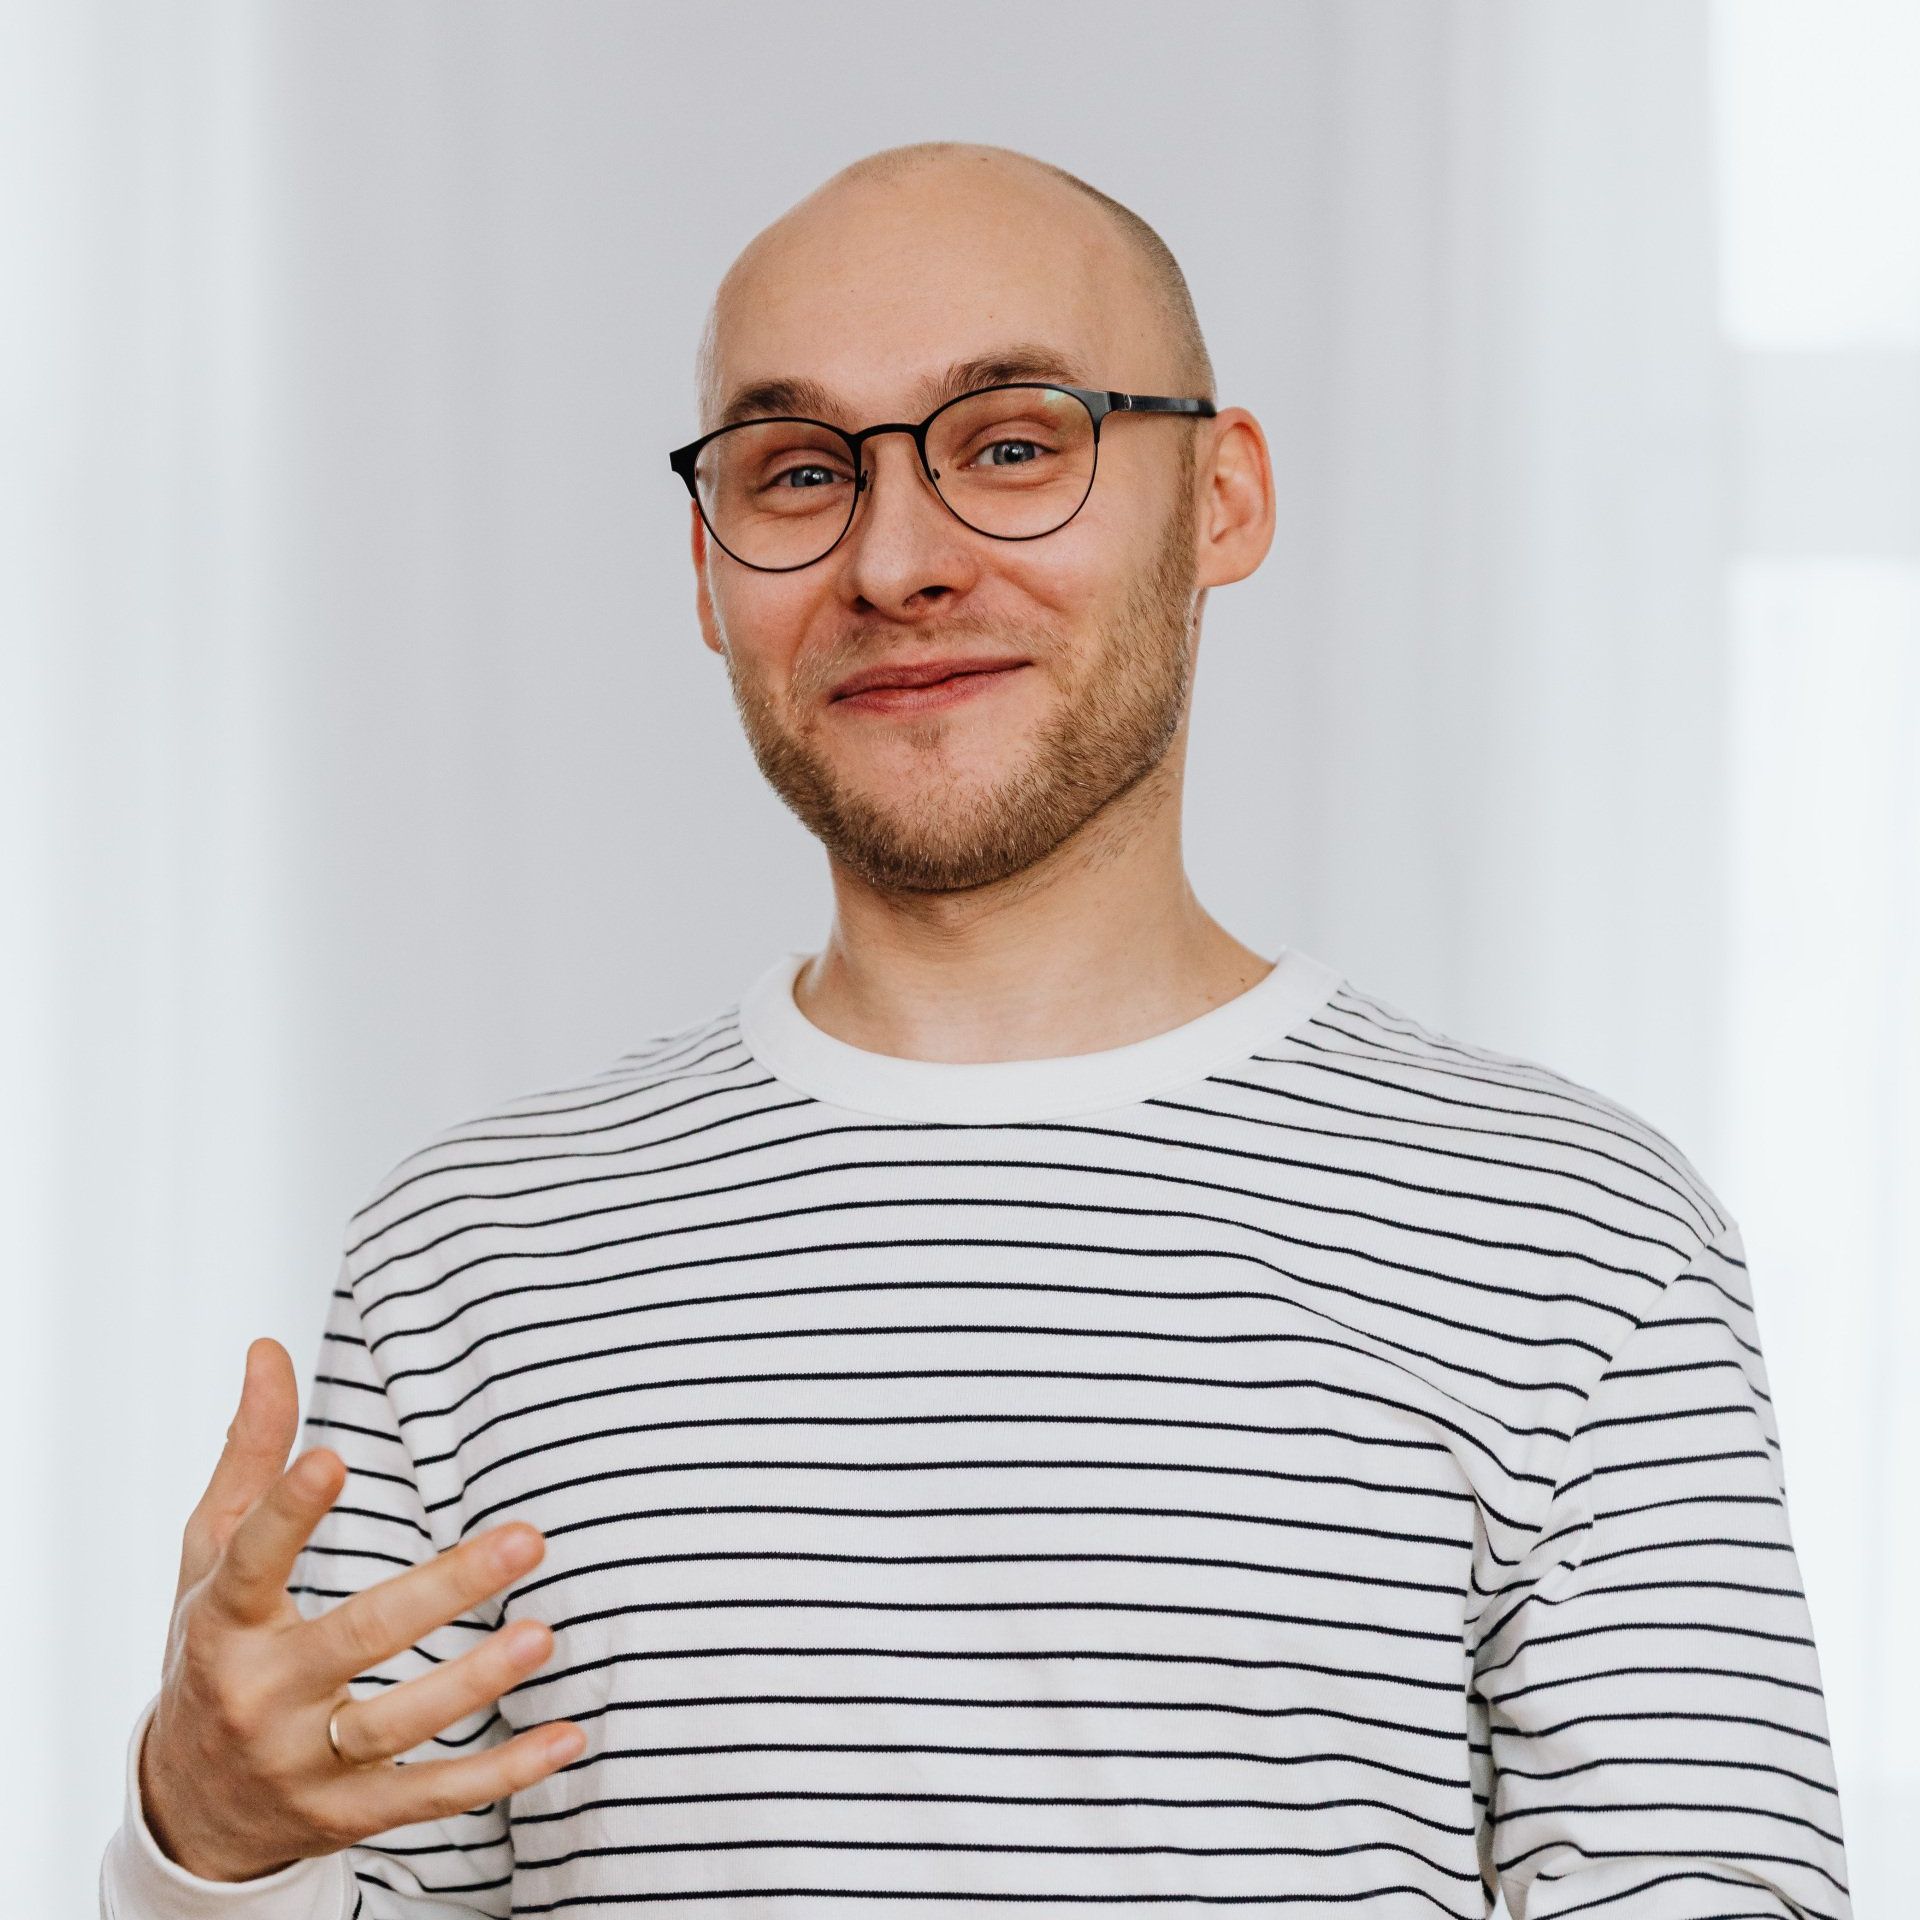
point(1821, 1129)
point(1817, 121)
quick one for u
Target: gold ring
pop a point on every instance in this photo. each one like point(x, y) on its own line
point(333, 1736)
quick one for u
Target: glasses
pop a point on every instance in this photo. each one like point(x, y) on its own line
point(1015, 462)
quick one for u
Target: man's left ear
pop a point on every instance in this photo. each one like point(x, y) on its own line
point(1234, 525)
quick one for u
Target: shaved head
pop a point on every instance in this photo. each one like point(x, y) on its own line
point(1140, 253)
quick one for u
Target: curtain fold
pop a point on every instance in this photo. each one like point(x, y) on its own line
point(1508, 445)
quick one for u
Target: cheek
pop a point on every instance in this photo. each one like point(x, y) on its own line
point(1085, 568)
point(1068, 589)
point(762, 619)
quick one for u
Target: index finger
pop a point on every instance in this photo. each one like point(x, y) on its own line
point(249, 1580)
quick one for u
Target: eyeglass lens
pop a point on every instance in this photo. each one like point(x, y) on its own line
point(1015, 462)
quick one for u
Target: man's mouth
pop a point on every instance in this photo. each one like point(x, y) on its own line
point(935, 684)
point(922, 673)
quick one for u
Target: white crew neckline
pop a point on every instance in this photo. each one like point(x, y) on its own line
point(812, 1060)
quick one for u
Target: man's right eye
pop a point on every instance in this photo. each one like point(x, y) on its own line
point(806, 477)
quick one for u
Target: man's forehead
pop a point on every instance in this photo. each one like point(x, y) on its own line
point(759, 395)
point(881, 303)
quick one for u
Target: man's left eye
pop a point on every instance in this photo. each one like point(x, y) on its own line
point(1031, 447)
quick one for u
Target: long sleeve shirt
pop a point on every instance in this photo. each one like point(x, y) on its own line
point(1302, 1460)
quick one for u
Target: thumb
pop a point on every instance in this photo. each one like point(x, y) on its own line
point(259, 1438)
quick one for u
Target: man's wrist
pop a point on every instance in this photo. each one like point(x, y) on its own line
point(190, 1857)
point(140, 1882)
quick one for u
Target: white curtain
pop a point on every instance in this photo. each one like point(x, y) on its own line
point(362, 764)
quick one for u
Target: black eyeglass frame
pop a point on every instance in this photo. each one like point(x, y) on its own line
point(1098, 403)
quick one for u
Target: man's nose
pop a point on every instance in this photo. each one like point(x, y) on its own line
point(903, 541)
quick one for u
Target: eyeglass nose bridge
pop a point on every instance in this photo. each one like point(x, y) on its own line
point(918, 432)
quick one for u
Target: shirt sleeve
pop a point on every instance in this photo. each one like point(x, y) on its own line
point(1647, 1671)
point(450, 1869)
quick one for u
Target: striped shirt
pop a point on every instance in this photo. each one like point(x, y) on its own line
point(1299, 1460)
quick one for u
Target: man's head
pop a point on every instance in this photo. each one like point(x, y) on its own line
point(907, 267)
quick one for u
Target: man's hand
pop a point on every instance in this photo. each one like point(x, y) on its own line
point(236, 1775)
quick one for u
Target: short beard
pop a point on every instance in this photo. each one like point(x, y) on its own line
point(950, 839)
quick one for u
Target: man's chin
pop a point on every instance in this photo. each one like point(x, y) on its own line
point(900, 859)
point(920, 870)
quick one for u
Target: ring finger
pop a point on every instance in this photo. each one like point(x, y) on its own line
point(400, 1718)
point(348, 1746)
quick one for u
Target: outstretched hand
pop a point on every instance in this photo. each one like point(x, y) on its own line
point(237, 1777)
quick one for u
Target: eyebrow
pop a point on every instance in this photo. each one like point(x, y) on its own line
point(810, 400)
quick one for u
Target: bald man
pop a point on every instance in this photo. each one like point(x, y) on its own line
point(1036, 1405)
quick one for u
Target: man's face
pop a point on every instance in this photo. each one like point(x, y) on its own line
point(875, 291)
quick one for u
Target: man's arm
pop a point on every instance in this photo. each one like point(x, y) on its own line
point(450, 1869)
point(1651, 1690)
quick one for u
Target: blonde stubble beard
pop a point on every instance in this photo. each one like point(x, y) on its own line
point(1109, 742)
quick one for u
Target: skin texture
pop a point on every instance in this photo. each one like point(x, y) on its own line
point(1006, 872)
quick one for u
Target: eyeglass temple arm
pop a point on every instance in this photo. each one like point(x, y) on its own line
point(1158, 403)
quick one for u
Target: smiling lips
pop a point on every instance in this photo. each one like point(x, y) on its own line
point(925, 683)
point(919, 673)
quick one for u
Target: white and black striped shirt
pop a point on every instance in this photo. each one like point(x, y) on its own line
point(1300, 1460)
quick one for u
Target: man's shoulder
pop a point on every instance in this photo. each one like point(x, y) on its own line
point(600, 1118)
point(1523, 1132)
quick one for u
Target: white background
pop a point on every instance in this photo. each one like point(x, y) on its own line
point(360, 763)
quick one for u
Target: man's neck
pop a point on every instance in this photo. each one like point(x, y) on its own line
point(1108, 946)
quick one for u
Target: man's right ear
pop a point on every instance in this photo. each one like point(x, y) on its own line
point(703, 600)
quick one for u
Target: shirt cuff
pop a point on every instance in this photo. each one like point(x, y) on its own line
point(139, 1882)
